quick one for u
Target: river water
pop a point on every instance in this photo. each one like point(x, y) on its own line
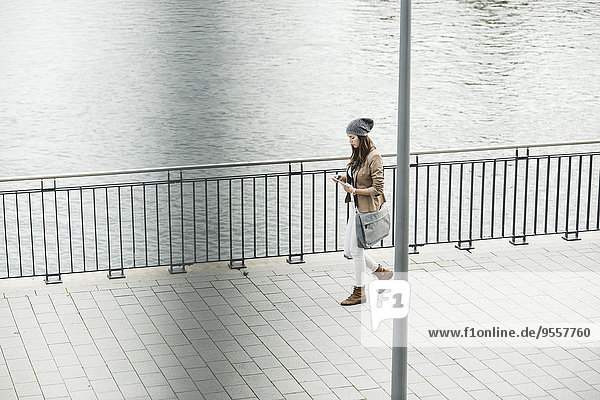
point(88, 86)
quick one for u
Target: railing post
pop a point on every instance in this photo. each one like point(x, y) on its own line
point(238, 263)
point(120, 273)
point(519, 240)
point(575, 235)
point(296, 258)
point(464, 244)
point(180, 269)
point(413, 247)
point(54, 278)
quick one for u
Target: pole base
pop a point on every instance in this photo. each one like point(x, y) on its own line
point(412, 249)
point(518, 241)
point(569, 238)
point(465, 245)
point(177, 269)
point(52, 279)
point(295, 259)
point(119, 274)
point(236, 264)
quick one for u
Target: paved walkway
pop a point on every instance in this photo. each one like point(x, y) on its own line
point(279, 331)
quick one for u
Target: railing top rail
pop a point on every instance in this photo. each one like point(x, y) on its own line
point(275, 162)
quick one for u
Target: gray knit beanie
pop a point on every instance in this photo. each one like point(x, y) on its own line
point(360, 127)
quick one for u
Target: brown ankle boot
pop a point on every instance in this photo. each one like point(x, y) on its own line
point(358, 296)
point(382, 273)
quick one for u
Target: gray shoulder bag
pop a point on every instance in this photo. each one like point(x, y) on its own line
point(372, 227)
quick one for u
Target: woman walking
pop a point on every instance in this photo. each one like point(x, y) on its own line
point(364, 187)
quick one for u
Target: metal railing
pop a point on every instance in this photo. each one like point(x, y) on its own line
point(70, 223)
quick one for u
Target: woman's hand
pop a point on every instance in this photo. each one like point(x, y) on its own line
point(349, 189)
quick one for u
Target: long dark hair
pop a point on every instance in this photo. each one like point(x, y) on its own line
point(359, 154)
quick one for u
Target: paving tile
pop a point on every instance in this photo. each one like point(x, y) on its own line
point(502, 389)
point(77, 384)
point(565, 394)
point(54, 391)
point(153, 379)
point(104, 386)
point(230, 378)
point(575, 384)
point(267, 393)
point(209, 386)
point(288, 386)
point(163, 392)
point(88, 394)
point(348, 393)
point(135, 390)
point(457, 393)
point(183, 385)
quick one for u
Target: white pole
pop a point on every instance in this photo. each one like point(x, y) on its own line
point(400, 326)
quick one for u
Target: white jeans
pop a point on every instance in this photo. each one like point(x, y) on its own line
point(351, 249)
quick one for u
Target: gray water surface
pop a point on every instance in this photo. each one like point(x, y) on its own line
point(88, 86)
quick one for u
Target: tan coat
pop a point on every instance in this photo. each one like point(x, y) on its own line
point(369, 176)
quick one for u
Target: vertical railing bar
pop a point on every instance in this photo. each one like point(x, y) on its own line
point(82, 227)
point(535, 203)
point(120, 226)
point(242, 221)
point(157, 225)
point(19, 233)
point(313, 213)
point(145, 222)
point(218, 183)
point(471, 193)
point(393, 203)
point(427, 204)
point(290, 210)
point(493, 214)
point(578, 194)
point(31, 235)
point(108, 230)
point(170, 219)
point(266, 217)
point(514, 209)
point(547, 199)
point(278, 216)
point(598, 207)
point(525, 191)
point(449, 200)
point(194, 221)
point(132, 223)
point(337, 200)
point(460, 201)
point(301, 210)
point(206, 215)
point(182, 218)
point(254, 212)
point(481, 217)
point(557, 195)
point(70, 230)
point(57, 228)
point(439, 187)
point(95, 227)
point(6, 254)
point(416, 211)
point(324, 211)
point(504, 179)
point(568, 206)
point(230, 220)
point(589, 199)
